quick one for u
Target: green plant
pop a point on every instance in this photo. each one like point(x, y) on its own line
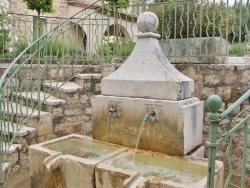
point(193, 19)
point(41, 6)
point(20, 46)
point(241, 22)
point(4, 27)
point(113, 4)
point(110, 48)
point(238, 49)
point(48, 48)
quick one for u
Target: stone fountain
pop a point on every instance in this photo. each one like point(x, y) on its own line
point(148, 82)
point(146, 104)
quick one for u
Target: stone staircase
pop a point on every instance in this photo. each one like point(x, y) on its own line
point(65, 109)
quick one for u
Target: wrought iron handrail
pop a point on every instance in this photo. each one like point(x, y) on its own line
point(36, 64)
point(214, 103)
point(219, 22)
point(235, 104)
point(56, 56)
point(35, 42)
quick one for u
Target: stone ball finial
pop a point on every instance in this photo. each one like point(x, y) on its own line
point(214, 103)
point(147, 22)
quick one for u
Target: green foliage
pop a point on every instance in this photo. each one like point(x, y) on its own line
point(21, 46)
point(4, 27)
point(4, 39)
point(49, 48)
point(59, 49)
point(238, 49)
point(111, 48)
point(117, 3)
point(41, 6)
point(192, 19)
point(241, 22)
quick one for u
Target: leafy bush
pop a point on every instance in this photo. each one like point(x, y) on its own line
point(112, 48)
point(40, 6)
point(192, 19)
point(117, 3)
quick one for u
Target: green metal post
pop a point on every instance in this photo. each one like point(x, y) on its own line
point(213, 103)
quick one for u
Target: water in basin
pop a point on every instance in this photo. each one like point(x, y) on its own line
point(89, 149)
point(172, 168)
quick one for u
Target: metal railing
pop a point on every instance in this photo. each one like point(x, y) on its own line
point(87, 35)
point(182, 23)
point(224, 134)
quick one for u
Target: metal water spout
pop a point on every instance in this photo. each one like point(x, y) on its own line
point(151, 113)
point(112, 110)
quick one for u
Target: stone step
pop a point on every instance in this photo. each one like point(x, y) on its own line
point(89, 82)
point(12, 108)
point(16, 129)
point(68, 87)
point(22, 134)
point(12, 152)
point(30, 117)
point(48, 101)
point(69, 91)
point(13, 148)
point(45, 98)
point(7, 167)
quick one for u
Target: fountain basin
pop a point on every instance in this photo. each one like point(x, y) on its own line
point(156, 170)
point(63, 162)
point(167, 132)
point(80, 161)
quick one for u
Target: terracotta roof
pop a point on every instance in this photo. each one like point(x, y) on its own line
point(122, 15)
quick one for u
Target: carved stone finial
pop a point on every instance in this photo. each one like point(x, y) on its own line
point(147, 22)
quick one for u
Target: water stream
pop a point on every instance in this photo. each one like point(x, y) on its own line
point(107, 126)
point(138, 140)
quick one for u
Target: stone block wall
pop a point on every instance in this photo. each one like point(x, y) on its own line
point(230, 82)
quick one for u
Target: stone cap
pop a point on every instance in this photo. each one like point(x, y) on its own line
point(148, 74)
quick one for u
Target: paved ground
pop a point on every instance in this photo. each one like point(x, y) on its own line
point(21, 180)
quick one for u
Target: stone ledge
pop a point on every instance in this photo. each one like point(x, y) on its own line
point(68, 87)
point(89, 76)
point(13, 108)
point(202, 50)
point(46, 98)
point(23, 130)
point(13, 148)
